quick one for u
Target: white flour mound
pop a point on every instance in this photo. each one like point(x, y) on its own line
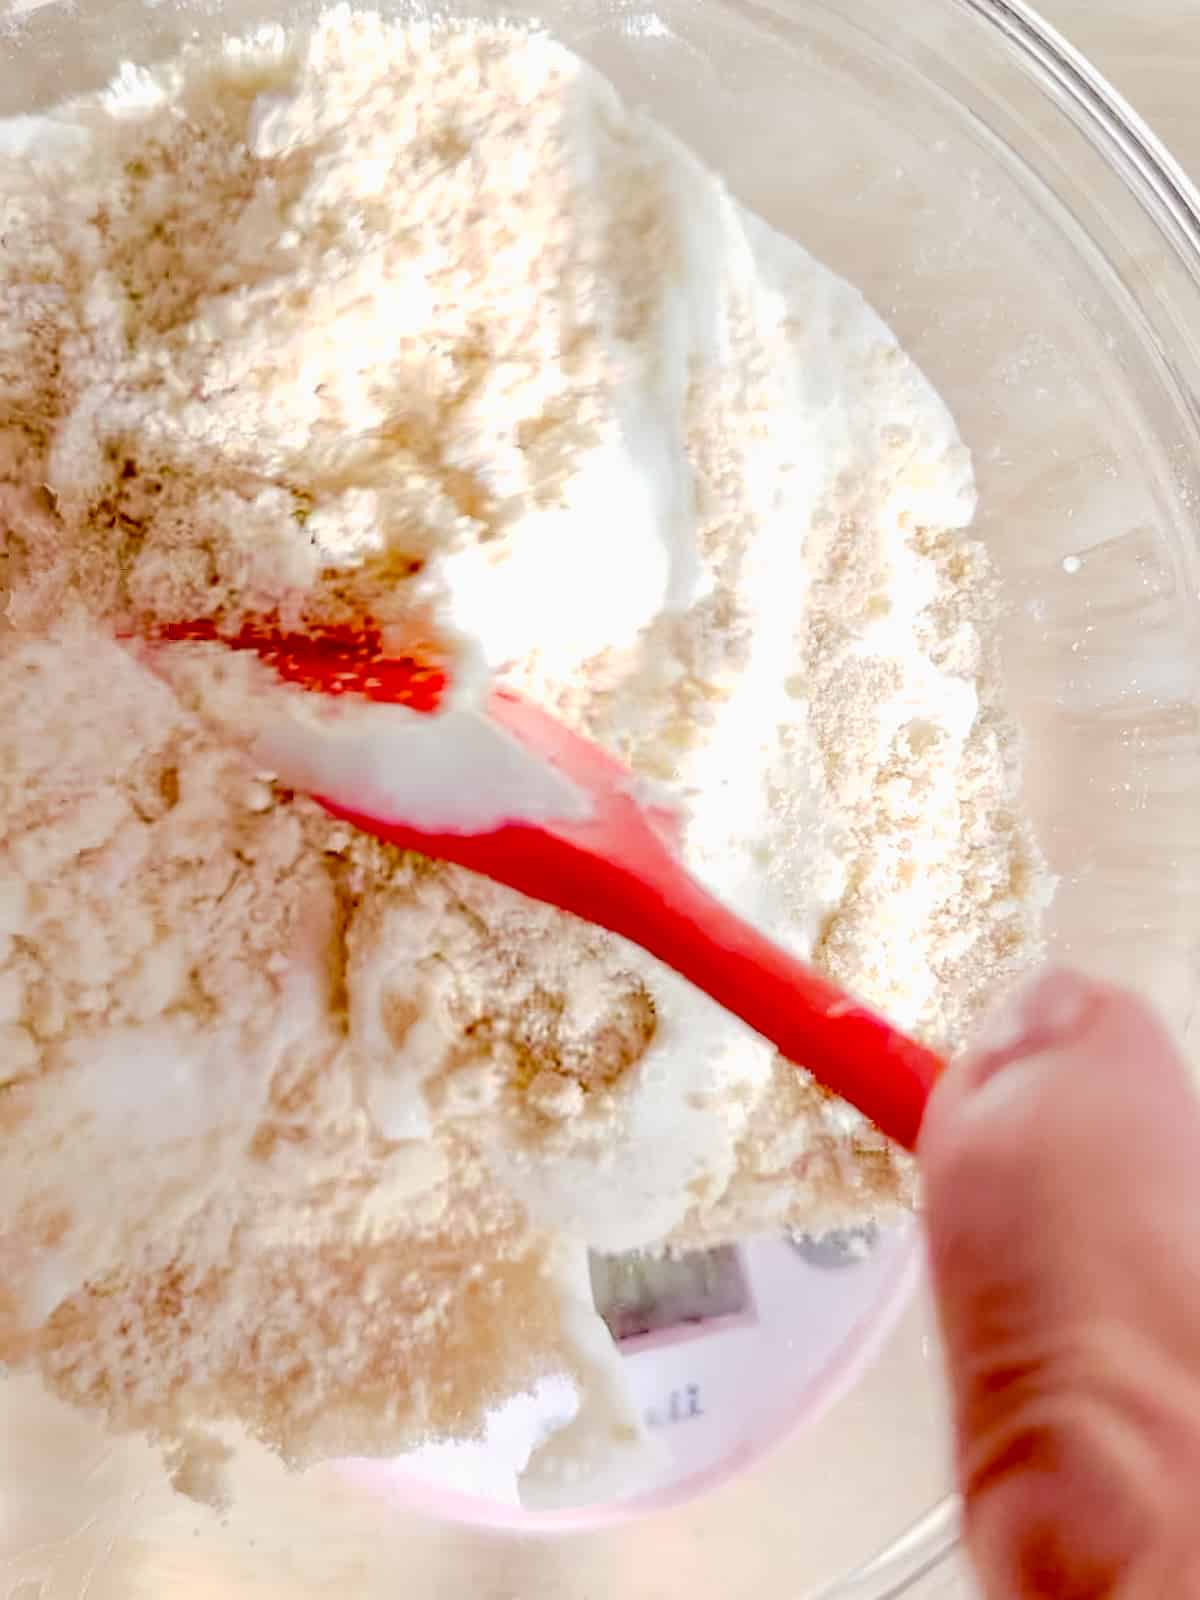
point(427, 327)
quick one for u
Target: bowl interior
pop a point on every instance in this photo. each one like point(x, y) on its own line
point(924, 153)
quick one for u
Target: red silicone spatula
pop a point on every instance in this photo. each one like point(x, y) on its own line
point(619, 869)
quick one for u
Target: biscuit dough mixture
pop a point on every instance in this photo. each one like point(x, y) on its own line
point(424, 329)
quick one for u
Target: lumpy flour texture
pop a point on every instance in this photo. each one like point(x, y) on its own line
point(426, 327)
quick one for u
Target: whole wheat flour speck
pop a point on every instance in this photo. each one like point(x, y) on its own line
point(426, 328)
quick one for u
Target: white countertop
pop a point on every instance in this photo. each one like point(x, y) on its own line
point(1148, 49)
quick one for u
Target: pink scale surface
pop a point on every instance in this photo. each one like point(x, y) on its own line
point(722, 1393)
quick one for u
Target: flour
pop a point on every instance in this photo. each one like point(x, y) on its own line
point(427, 328)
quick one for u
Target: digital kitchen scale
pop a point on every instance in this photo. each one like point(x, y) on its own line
point(726, 1352)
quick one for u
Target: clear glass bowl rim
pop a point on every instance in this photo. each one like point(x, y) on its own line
point(1172, 202)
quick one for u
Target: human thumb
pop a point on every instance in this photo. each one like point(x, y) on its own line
point(1062, 1178)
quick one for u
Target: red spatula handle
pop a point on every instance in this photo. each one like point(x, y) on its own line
point(846, 1046)
point(617, 869)
point(647, 896)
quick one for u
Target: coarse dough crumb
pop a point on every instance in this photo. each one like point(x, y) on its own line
point(358, 322)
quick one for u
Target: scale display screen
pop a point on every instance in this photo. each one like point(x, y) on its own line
point(638, 1294)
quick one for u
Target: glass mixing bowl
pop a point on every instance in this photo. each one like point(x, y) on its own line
point(1039, 254)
